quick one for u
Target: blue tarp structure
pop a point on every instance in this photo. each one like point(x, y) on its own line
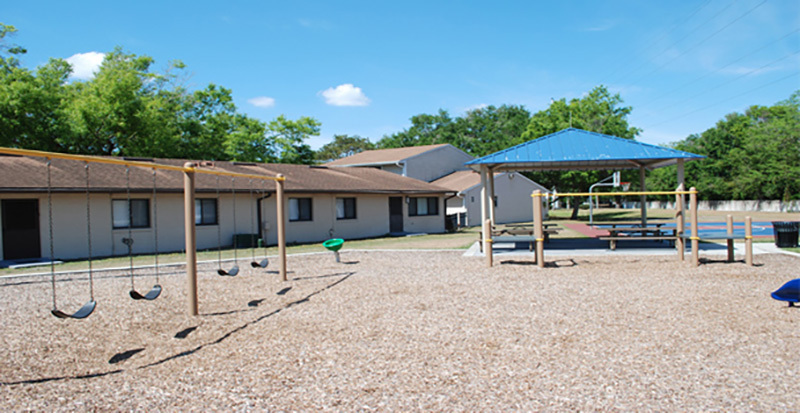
point(576, 149)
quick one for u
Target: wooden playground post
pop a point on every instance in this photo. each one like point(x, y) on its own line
point(487, 242)
point(191, 236)
point(679, 224)
point(748, 240)
point(695, 236)
point(537, 227)
point(281, 227)
point(729, 224)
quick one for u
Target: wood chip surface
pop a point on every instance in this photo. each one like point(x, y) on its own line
point(412, 331)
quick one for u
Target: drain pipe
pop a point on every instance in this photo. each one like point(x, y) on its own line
point(258, 217)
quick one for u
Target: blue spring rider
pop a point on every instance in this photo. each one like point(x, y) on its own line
point(334, 245)
point(789, 292)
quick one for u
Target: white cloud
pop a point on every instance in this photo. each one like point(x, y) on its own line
point(345, 95)
point(85, 65)
point(262, 101)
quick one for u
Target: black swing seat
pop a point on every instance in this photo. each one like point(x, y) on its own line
point(82, 313)
point(151, 295)
point(231, 273)
point(260, 264)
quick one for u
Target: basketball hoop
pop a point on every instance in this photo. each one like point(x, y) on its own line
point(625, 186)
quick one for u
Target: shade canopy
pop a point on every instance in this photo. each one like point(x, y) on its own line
point(576, 149)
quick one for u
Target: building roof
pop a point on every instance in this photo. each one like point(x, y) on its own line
point(579, 149)
point(29, 174)
point(460, 181)
point(383, 156)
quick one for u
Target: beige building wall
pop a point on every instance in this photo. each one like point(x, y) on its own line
point(71, 238)
point(514, 202)
point(436, 163)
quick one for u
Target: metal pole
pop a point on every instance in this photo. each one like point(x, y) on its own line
point(484, 212)
point(191, 237)
point(537, 227)
point(679, 223)
point(695, 238)
point(281, 226)
point(643, 198)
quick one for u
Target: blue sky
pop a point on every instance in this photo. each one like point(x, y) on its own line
point(364, 68)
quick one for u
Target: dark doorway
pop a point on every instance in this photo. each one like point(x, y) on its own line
point(21, 229)
point(395, 214)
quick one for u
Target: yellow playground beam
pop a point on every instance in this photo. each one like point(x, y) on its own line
point(572, 194)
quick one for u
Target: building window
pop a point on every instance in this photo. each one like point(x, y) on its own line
point(135, 214)
point(345, 208)
point(205, 211)
point(299, 209)
point(423, 206)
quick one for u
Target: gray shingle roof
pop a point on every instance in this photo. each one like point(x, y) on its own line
point(28, 174)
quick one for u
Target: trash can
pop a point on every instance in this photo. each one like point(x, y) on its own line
point(245, 240)
point(786, 233)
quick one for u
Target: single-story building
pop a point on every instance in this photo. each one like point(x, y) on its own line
point(444, 165)
point(321, 203)
point(426, 163)
point(512, 200)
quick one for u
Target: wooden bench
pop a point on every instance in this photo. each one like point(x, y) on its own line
point(655, 233)
point(728, 237)
point(518, 235)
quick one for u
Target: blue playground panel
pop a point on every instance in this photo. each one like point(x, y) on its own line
point(760, 229)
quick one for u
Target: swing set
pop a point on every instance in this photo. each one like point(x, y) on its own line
point(189, 170)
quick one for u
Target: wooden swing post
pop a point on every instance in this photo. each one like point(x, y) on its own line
point(191, 237)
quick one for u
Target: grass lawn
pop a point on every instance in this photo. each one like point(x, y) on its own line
point(462, 239)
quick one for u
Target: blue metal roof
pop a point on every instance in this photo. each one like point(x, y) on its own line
point(579, 149)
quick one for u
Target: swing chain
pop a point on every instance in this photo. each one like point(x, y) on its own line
point(50, 224)
point(129, 241)
point(89, 229)
point(155, 224)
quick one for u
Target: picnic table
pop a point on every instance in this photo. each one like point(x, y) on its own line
point(520, 234)
point(638, 233)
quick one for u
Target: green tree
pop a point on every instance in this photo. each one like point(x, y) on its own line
point(343, 146)
point(598, 111)
point(487, 130)
point(288, 137)
point(425, 130)
point(751, 155)
point(480, 132)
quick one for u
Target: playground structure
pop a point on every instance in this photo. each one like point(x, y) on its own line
point(334, 245)
point(679, 237)
point(189, 170)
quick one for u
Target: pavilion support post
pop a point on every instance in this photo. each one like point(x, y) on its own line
point(643, 198)
point(538, 232)
point(748, 241)
point(490, 181)
point(281, 225)
point(729, 224)
point(681, 183)
point(695, 236)
point(679, 223)
point(484, 213)
point(487, 242)
point(191, 238)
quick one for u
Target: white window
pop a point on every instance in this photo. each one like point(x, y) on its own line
point(135, 214)
point(299, 209)
point(205, 211)
point(423, 206)
point(345, 208)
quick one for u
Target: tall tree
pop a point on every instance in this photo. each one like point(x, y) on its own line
point(598, 111)
point(289, 138)
point(425, 130)
point(343, 146)
point(753, 155)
